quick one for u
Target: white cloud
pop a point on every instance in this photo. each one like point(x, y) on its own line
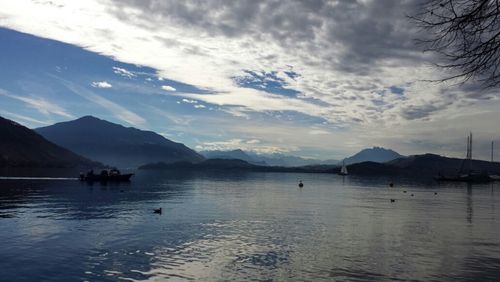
point(199, 106)
point(253, 141)
point(189, 101)
point(123, 72)
point(167, 88)
point(233, 144)
point(101, 84)
point(346, 55)
point(318, 132)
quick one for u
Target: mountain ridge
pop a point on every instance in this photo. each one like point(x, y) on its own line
point(374, 154)
point(265, 159)
point(23, 147)
point(115, 144)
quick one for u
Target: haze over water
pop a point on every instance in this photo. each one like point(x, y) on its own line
point(248, 226)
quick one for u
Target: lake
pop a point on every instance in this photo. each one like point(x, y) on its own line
point(248, 226)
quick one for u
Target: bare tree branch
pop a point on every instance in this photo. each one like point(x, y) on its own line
point(466, 34)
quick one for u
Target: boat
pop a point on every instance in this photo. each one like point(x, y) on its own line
point(343, 170)
point(476, 177)
point(465, 173)
point(113, 175)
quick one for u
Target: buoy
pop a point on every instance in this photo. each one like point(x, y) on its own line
point(157, 211)
point(393, 200)
point(435, 193)
point(301, 184)
point(391, 184)
point(411, 195)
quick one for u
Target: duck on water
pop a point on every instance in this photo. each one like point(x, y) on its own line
point(113, 175)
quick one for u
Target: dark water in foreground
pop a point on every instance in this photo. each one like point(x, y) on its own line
point(248, 226)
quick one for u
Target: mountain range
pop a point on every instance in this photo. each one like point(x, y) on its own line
point(275, 159)
point(22, 147)
point(116, 145)
point(375, 154)
point(418, 166)
point(112, 144)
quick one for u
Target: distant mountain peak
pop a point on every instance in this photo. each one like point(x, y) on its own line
point(374, 154)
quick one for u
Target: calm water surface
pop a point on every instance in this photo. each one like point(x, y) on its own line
point(248, 226)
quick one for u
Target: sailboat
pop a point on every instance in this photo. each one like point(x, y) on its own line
point(466, 174)
point(343, 170)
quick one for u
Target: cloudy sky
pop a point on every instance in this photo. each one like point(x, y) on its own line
point(313, 78)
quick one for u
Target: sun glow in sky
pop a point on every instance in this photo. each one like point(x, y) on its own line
point(317, 79)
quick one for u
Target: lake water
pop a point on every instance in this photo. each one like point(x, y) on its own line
point(248, 226)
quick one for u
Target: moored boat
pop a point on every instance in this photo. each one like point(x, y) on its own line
point(466, 174)
point(469, 177)
point(113, 175)
point(343, 170)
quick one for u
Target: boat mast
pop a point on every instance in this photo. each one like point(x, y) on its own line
point(465, 167)
point(492, 151)
point(469, 161)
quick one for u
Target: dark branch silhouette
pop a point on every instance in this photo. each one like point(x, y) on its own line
point(466, 34)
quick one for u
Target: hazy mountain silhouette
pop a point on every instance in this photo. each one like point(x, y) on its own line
point(234, 165)
point(116, 145)
point(433, 164)
point(23, 147)
point(278, 159)
point(426, 165)
point(418, 166)
point(275, 159)
point(233, 154)
point(375, 154)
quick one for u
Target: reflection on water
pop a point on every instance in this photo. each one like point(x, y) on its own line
point(248, 226)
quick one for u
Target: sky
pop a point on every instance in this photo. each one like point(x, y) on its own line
point(319, 79)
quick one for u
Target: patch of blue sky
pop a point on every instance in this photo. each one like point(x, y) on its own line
point(24, 53)
point(34, 67)
point(291, 74)
point(265, 81)
point(397, 90)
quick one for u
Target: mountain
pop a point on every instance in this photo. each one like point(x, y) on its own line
point(421, 166)
point(375, 154)
point(207, 164)
point(428, 164)
point(116, 145)
point(266, 159)
point(23, 147)
point(226, 165)
point(233, 154)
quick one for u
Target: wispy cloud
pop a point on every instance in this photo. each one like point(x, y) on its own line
point(167, 88)
point(118, 111)
point(101, 84)
point(189, 101)
point(19, 118)
point(123, 72)
point(351, 64)
point(40, 104)
point(246, 145)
